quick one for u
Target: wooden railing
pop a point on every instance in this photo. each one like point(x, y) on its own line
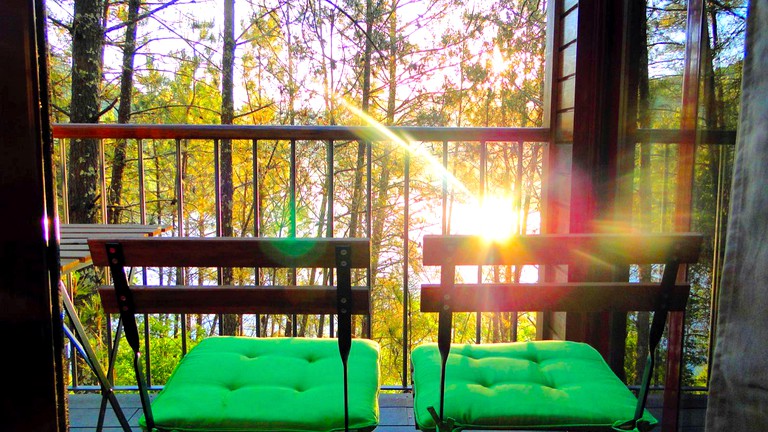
point(442, 140)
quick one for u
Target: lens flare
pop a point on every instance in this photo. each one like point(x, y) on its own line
point(434, 164)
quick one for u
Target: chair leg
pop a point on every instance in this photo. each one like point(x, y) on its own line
point(143, 391)
point(110, 370)
point(670, 417)
point(127, 311)
point(80, 339)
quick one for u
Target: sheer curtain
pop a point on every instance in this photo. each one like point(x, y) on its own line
point(738, 391)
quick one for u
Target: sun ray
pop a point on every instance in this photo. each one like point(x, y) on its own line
point(434, 164)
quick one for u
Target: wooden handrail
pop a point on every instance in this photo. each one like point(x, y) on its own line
point(183, 131)
point(272, 132)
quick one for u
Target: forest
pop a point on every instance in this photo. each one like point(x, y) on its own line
point(395, 63)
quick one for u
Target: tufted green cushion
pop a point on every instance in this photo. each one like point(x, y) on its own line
point(269, 384)
point(525, 385)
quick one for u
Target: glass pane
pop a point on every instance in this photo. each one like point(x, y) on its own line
point(722, 64)
point(661, 82)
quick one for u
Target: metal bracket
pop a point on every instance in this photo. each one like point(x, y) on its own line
point(127, 310)
point(344, 309)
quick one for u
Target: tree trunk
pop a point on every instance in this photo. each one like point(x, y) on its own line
point(87, 46)
point(123, 111)
point(357, 194)
point(383, 183)
point(229, 322)
point(357, 191)
point(711, 116)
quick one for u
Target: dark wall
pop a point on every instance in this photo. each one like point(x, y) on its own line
point(30, 364)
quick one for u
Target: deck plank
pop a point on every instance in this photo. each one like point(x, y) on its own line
point(396, 412)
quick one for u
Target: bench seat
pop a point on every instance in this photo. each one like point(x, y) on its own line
point(269, 384)
point(523, 385)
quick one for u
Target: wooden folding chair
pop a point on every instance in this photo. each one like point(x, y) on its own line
point(251, 384)
point(541, 385)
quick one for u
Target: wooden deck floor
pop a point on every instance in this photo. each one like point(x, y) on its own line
point(396, 412)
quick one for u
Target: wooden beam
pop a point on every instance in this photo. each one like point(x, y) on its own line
point(574, 297)
point(556, 161)
point(232, 252)
point(604, 250)
point(236, 299)
point(684, 201)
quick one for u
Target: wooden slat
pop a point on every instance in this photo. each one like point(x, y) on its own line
point(75, 254)
point(235, 299)
point(71, 264)
point(569, 297)
point(113, 227)
point(74, 251)
point(592, 249)
point(79, 246)
point(232, 252)
point(82, 237)
point(76, 240)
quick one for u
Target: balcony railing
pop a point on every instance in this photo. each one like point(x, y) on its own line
point(392, 185)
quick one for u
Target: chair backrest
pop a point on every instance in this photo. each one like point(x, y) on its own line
point(598, 253)
point(233, 252)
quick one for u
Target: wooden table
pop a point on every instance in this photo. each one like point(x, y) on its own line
point(75, 255)
point(74, 251)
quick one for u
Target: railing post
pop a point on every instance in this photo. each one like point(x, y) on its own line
point(256, 217)
point(292, 232)
point(181, 273)
point(444, 221)
point(483, 169)
point(330, 157)
point(406, 248)
point(143, 220)
point(103, 180)
point(64, 215)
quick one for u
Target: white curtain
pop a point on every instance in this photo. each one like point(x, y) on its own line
point(738, 391)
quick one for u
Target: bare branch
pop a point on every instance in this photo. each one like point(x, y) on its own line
point(140, 17)
point(61, 24)
point(362, 30)
point(60, 109)
point(254, 110)
point(188, 42)
point(104, 111)
point(174, 106)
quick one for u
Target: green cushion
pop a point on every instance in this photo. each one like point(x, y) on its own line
point(269, 384)
point(525, 385)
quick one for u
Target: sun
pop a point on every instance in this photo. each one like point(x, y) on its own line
point(493, 217)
